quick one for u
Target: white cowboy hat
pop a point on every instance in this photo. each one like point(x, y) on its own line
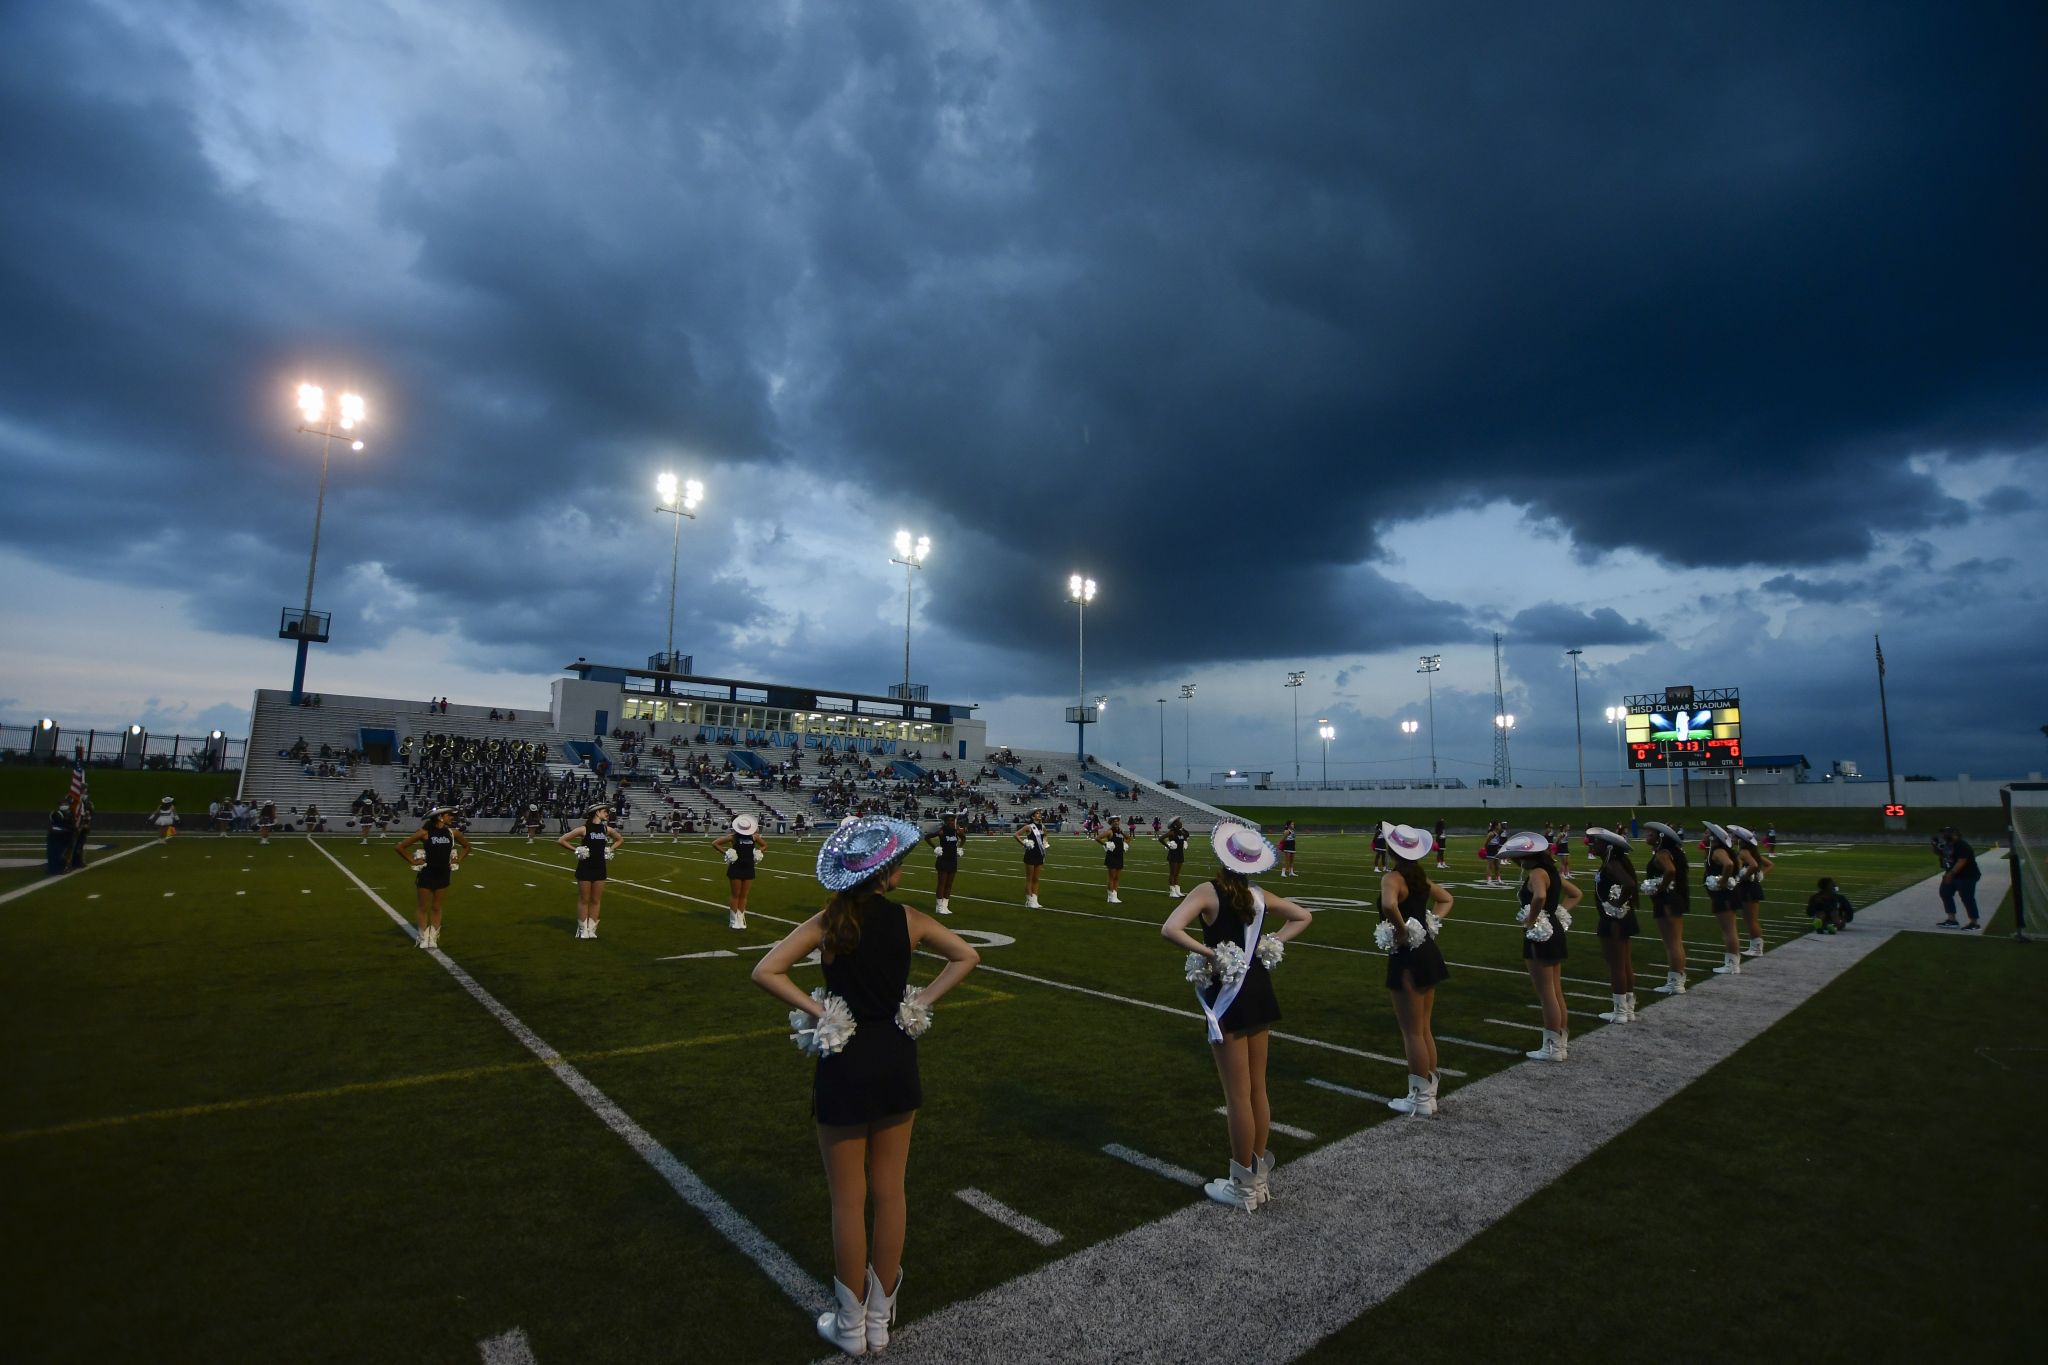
point(1661, 830)
point(1242, 849)
point(1527, 844)
point(1607, 836)
point(745, 824)
point(1719, 835)
point(1743, 834)
point(1407, 841)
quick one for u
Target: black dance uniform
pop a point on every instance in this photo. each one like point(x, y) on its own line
point(1674, 897)
point(1728, 900)
point(1418, 969)
point(535, 821)
point(875, 1074)
point(741, 868)
point(1287, 842)
point(1752, 885)
point(599, 842)
point(1034, 846)
point(439, 848)
point(1113, 852)
point(1255, 1005)
point(1614, 872)
point(1550, 949)
point(948, 846)
point(1176, 854)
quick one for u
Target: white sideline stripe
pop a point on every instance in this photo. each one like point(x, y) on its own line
point(1191, 1014)
point(508, 1348)
point(1576, 1014)
point(1008, 1217)
point(726, 1220)
point(1335, 1088)
point(1484, 1047)
point(21, 891)
point(1304, 1134)
point(1179, 1174)
point(1510, 1023)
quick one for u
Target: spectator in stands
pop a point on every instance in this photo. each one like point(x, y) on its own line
point(1959, 876)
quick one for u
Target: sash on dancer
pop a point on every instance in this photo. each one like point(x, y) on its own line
point(1227, 995)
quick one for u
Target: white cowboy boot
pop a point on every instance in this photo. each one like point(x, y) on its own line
point(847, 1326)
point(1562, 1048)
point(1631, 998)
point(1421, 1100)
point(1755, 948)
point(1240, 1191)
point(881, 1309)
point(1551, 1051)
point(1262, 1178)
point(1619, 1014)
point(1731, 965)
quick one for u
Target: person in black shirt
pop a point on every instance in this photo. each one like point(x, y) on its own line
point(1438, 834)
point(1176, 841)
point(57, 844)
point(866, 1091)
point(596, 843)
point(1415, 965)
point(946, 845)
point(438, 839)
point(1113, 843)
point(1829, 908)
point(1959, 874)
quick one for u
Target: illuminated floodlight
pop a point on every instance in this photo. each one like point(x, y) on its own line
point(312, 402)
point(351, 410)
point(135, 729)
point(1326, 731)
point(693, 494)
point(1101, 705)
point(1081, 589)
point(1504, 722)
point(665, 486)
point(1409, 727)
point(46, 724)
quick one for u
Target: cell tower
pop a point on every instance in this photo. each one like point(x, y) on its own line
point(1503, 766)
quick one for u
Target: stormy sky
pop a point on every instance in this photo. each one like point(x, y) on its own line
point(1709, 339)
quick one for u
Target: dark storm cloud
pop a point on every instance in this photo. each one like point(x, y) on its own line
point(1192, 299)
point(1813, 590)
point(1555, 623)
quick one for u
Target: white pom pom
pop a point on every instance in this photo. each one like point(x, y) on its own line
point(582, 852)
point(1434, 921)
point(1616, 894)
point(1715, 883)
point(732, 855)
point(1271, 950)
point(913, 1016)
point(1653, 884)
point(1383, 936)
point(1231, 964)
point(829, 1032)
point(1538, 930)
point(1199, 970)
point(1418, 932)
point(760, 855)
point(1564, 917)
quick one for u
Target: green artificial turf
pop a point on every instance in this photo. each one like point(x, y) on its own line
point(262, 1126)
point(1859, 1183)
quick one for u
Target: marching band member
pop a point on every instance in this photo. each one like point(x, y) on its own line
point(1615, 891)
point(1412, 908)
point(1547, 902)
point(1668, 882)
point(596, 844)
point(438, 839)
point(1725, 893)
point(863, 1025)
point(1230, 967)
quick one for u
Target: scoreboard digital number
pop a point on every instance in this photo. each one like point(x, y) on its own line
point(1685, 727)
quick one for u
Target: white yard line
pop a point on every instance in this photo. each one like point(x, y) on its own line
point(727, 1221)
point(21, 891)
point(1178, 1174)
point(1510, 1023)
point(1355, 1094)
point(1008, 1217)
point(1484, 1047)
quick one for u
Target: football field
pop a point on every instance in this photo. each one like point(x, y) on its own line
point(246, 1119)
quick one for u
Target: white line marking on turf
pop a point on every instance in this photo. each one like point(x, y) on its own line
point(1191, 1014)
point(686, 957)
point(1304, 1134)
point(1576, 1014)
point(1008, 1217)
point(1154, 1164)
point(1346, 1090)
point(508, 1348)
point(1510, 1023)
point(1484, 1047)
point(729, 1222)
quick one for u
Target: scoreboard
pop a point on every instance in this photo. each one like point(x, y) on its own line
point(1684, 727)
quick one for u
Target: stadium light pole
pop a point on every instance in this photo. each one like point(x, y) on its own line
point(680, 501)
point(1506, 725)
point(1187, 714)
point(1432, 664)
point(1614, 719)
point(1162, 741)
point(1081, 591)
point(1408, 728)
point(317, 419)
point(910, 554)
point(1293, 684)
point(1578, 725)
point(1328, 733)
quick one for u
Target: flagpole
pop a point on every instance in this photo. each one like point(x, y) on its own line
point(1884, 712)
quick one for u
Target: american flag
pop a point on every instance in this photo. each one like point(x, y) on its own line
point(1880, 656)
point(77, 797)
